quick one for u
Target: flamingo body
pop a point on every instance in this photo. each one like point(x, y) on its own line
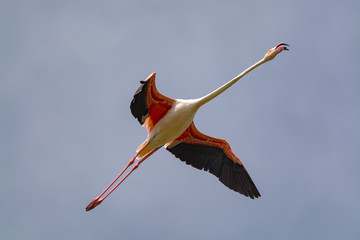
point(164, 118)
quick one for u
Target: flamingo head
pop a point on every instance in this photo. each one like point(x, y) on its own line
point(271, 54)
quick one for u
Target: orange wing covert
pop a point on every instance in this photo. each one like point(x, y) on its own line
point(148, 105)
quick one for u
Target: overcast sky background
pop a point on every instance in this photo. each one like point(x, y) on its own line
point(69, 69)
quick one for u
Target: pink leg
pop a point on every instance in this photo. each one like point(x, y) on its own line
point(97, 200)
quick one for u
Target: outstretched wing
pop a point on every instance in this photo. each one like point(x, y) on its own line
point(148, 106)
point(213, 155)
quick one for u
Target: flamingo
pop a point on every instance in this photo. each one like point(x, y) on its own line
point(169, 123)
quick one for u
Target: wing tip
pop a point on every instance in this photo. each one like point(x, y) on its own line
point(151, 76)
point(138, 106)
point(232, 174)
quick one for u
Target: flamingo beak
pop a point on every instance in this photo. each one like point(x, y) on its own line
point(281, 46)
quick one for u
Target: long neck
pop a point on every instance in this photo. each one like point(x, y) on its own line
point(221, 89)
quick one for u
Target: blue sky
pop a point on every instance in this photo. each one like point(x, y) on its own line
point(68, 70)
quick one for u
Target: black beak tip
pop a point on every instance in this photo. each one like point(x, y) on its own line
point(283, 44)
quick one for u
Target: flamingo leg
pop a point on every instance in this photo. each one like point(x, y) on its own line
point(96, 201)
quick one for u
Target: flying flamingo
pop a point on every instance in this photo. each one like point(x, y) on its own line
point(170, 123)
